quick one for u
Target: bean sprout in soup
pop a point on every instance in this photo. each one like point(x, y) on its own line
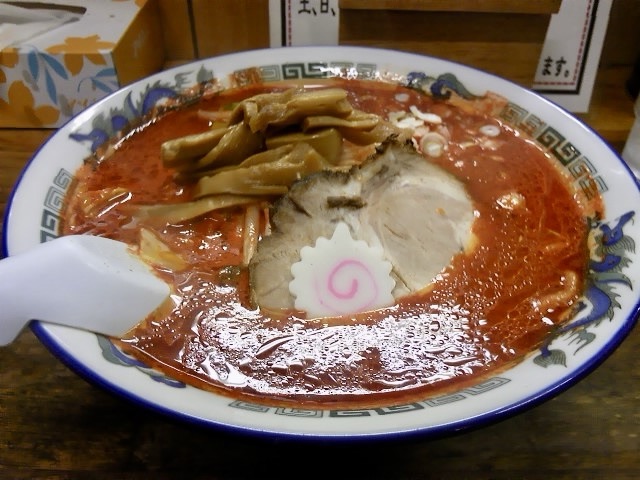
point(483, 239)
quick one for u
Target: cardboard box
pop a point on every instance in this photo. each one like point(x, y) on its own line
point(49, 78)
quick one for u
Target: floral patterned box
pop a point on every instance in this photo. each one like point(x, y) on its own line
point(49, 78)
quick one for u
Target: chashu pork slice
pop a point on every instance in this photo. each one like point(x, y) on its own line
point(418, 213)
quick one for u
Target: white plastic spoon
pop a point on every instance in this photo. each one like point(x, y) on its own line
point(81, 281)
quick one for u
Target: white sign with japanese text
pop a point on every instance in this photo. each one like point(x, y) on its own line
point(303, 22)
point(571, 53)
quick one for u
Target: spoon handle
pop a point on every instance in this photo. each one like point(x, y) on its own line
point(82, 281)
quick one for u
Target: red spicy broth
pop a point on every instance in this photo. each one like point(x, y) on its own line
point(487, 310)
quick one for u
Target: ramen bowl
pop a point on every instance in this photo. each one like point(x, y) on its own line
point(610, 303)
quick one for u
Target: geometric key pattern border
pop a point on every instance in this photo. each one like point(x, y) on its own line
point(576, 163)
point(486, 386)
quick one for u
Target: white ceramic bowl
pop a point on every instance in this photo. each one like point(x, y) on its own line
point(32, 217)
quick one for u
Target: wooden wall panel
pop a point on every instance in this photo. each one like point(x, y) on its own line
point(224, 26)
point(506, 41)
point(622, 42)
point(502, 6)
point(506, 44)
point(177, 30)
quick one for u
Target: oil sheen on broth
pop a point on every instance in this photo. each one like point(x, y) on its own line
point(485, 311)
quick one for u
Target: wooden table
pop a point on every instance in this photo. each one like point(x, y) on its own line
point(55, 425)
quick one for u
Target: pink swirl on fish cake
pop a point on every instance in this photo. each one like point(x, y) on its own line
point(352, 273)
